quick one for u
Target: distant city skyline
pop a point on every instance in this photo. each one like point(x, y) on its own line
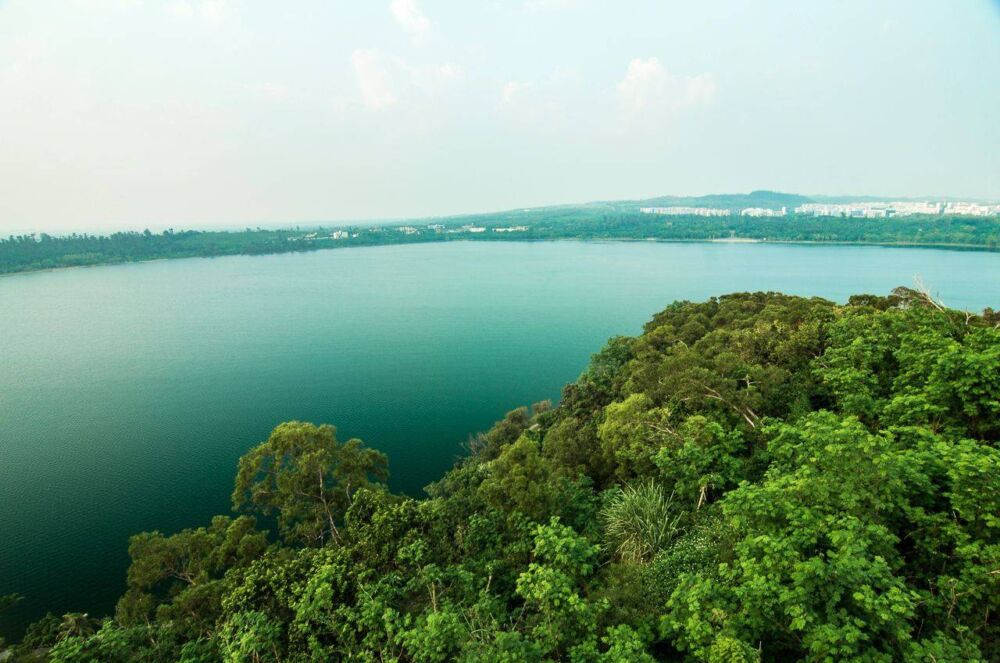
point(946, 205)
point(882, 209)
point(128, 114)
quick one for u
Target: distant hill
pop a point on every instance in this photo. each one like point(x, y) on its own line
point(733, 201)
point(769, 199)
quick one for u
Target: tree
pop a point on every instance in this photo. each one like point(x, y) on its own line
point(522, 479)
point(308, 478)
point(559, 614)
point(856, 546)
point(181, 576)
point(703, 461)
point(77, 625)
point(250, 637)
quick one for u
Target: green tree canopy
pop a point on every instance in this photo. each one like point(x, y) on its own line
point(755, 478)
point(308, 478)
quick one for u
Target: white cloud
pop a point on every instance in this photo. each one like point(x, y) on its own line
point(649, 86)
point(561, 82)
point(384, 79)
point(410, 18)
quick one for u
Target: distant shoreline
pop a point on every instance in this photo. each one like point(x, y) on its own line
point(514, 240)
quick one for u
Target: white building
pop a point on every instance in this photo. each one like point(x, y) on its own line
point(871, 210)
point(762, 211)
point(685, 211)
point(972, 209)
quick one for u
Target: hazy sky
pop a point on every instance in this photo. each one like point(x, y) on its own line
point(197, 113)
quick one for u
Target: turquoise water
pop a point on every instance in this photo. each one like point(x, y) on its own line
point(128, 392)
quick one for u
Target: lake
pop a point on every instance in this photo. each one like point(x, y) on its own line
point(128, 392)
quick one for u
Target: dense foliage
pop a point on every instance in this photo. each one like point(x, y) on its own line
point(977, 232)
point(611, 221)
point(754, 478)
point(21, 253)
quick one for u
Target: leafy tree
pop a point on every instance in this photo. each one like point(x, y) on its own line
point(818, 572)
point(250, 637)
point(561, 617)
point(703, 461)
point(522, 479)
point(40, 635)
point(489, 445)
point(573, 448)
point(308, 478)
point(631, 433)
point(181, 577)
point(76, 625)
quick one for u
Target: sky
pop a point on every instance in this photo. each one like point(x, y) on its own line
point(128, 114)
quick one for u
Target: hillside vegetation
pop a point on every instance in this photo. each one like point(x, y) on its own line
point(755, 478)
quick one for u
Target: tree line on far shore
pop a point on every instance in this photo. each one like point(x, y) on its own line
point(35, 252)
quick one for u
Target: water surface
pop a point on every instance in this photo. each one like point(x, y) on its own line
point(128, 392)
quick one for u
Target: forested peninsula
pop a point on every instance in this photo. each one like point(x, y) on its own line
point(757, 477)
point(594, 221)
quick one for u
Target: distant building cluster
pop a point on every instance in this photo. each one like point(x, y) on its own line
point(881, 210)
point(762, 211)
point(313, 237)
point(874, 210)
point(406, 230)
point(469, 228)
point(971, 209)
point(686, 211)
point(866, 210)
